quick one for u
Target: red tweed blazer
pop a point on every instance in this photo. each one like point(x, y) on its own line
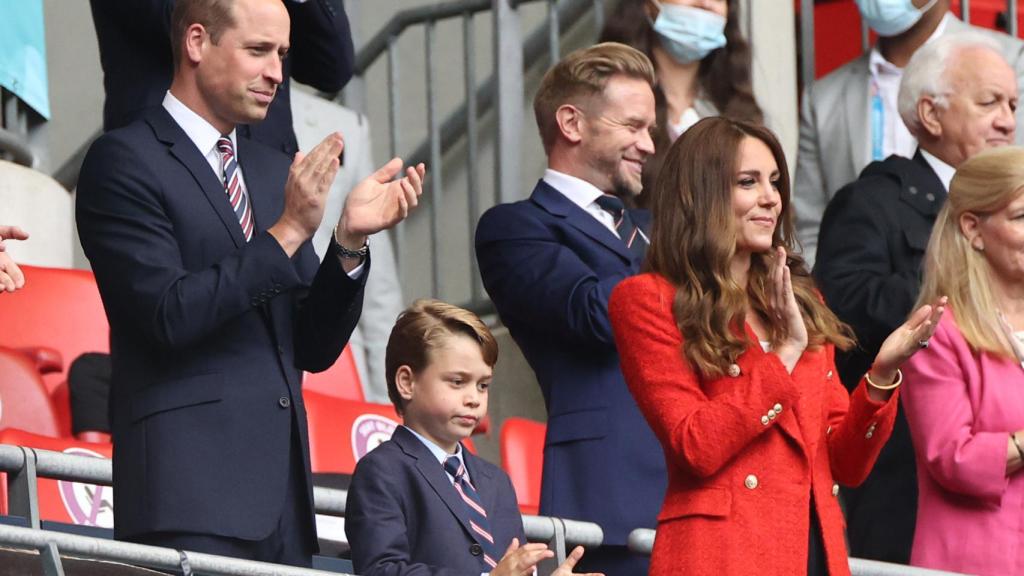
point(744, 451)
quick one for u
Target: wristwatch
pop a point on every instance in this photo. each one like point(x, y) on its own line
point(345, 252)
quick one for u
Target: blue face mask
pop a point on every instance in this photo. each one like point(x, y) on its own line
point(891, 17)
point(687, 33)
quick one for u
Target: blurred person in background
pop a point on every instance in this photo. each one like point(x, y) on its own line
point(701, 61)
point(963, 394)
point(850, 117)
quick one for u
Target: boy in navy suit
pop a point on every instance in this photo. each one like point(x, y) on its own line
point(419, 503)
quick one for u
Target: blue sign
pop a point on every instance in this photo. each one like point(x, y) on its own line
point(23, 53)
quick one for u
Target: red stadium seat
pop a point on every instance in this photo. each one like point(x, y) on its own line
point(522, 456)
point(343, 431)
point(24, 401)
point(339, 381)
point(65, 501)
point(58, 309)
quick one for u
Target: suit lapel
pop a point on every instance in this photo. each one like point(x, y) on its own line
point(434, 474)
point(554, 202)
point(483, 482)
point(256, 174)
point(185, 151)
point(857, 104)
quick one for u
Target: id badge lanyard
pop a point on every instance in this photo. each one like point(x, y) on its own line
point(877, 124)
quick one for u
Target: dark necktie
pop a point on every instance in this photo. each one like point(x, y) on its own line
point(629, 232)
point(477, 515)
point(233, 186)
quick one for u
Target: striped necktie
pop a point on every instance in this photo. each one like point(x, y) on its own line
point(629, 232)
point(233, 186)
point(477, 515)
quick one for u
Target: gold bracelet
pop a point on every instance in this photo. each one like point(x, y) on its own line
point(1016, 444)
point(893, 386)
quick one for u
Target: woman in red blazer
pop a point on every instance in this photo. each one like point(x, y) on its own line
point(728, 349)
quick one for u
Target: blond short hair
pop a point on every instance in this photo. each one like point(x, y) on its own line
point(421, 329)
point(581, 76)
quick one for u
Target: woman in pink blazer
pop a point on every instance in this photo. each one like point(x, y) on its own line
point(728, 349)
point(964, 395)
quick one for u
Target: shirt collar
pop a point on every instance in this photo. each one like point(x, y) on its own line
point(578, 191)
point(436, 450)
point(879, 66)
point(198, 130)
point(944, 171)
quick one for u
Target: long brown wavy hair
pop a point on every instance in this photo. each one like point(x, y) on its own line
point(724, 74)
point(693, 240)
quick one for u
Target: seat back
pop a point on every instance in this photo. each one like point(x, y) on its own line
point(24, 400)
point(62, 500)
point(522, 457)
point(339, 381)
point(59, 308)
point(343, 431)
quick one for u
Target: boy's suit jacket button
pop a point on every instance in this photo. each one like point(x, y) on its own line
point(284, 401)
point(475, 549)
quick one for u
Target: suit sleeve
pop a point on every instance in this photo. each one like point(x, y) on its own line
point(855, 270)
point(322, 53)
point(700, 433)
point(533, 277)
point(809, 194)
point(147, 22)
point(955, 452)
point(132, 245)
point(376, 525)
point(858, 428)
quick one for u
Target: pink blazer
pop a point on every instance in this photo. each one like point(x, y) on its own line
point(961, 407)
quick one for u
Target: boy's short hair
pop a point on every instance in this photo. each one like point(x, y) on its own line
point(216, 16)
point(419, 331)
point(581, 76)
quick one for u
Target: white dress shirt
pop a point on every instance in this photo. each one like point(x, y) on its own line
point(885, 82)
point(581, 193)
point(944, 171)
point(205, 137)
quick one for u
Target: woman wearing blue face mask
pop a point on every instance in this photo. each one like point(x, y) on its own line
point(702, 62)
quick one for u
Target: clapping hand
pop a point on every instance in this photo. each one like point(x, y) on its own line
point(11, 233)
point(522, 560)
point(11, 277)
point(379, 202)
point(912, 336)
point(783, 307)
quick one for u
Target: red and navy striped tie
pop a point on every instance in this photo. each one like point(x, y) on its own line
point(233, 186)
point(630, 233)
point(477, 515)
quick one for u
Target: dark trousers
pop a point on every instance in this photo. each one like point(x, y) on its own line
point(613, 561)
point(290, 543)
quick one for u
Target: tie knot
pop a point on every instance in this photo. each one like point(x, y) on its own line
point(612, 205)
point(225, 147)
point(453, 466)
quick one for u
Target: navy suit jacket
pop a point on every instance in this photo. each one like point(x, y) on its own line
point(550, 266)
point(208, 332)
point(135, 51)
point(404, 517)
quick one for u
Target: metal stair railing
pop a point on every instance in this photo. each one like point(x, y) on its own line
point(641, 541)
point(25, 465)
point(14, 130)
point(502, 91)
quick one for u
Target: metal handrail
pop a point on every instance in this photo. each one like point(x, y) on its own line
point(641, 541)
point(144, 555)
point(378, 45)
point(17, 147)
point(50, 464)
